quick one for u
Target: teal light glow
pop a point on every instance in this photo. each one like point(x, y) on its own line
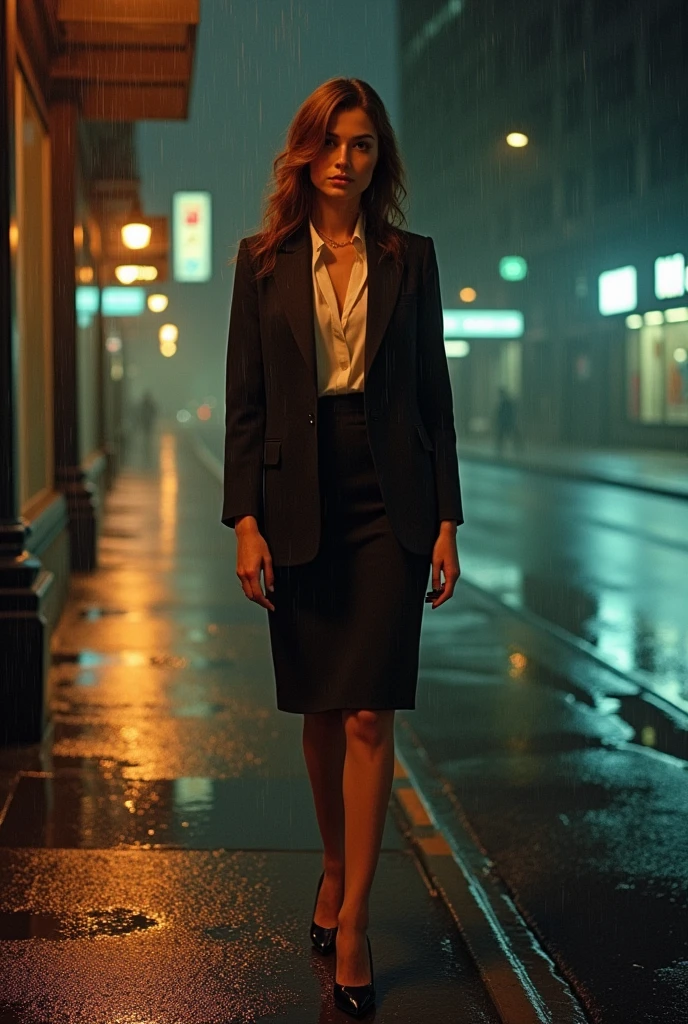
point(513, 268)
point(87, 298)
point(483, 323)
point(618, 291)
point(123, 301)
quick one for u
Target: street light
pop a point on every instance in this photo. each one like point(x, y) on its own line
point(127, 273)
point(136, 232)
point(168, 333)
point(157, 303)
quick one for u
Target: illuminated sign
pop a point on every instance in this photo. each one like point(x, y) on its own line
point(457, 349)
point(618, 291)
point(87, 298)
point(191, 236)
point(482, 323)
point(670, 276)
point(87, 301)
point(123, 301)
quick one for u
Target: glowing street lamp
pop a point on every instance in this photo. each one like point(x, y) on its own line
point(136, 232)
point(168, 333)
point(517, 139)
point(157, 303)
point(127, 273)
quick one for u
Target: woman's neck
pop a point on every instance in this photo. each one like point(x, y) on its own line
point(336, 219)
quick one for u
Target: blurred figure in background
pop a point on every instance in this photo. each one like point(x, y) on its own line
point(506, 422)
point(148, 411)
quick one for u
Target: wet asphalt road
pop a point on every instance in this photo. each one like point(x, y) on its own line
point(605, 563)
point(158, 854)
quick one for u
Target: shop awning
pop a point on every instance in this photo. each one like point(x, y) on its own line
point(126, 60)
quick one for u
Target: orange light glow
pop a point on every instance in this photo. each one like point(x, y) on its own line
point(467, 294)
point(169, 489)
point(518, 663)
point(204, 412)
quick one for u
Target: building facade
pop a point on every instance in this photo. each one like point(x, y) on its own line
point(74, 78)
point(599, 89)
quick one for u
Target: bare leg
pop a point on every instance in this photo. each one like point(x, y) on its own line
point(367, 783)
point(324, 746)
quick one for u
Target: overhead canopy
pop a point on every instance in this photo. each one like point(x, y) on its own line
point(126, 60)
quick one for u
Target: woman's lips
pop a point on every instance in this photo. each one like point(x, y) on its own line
point(340, 178)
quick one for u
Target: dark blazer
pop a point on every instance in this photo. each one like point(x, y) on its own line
point(271, 446)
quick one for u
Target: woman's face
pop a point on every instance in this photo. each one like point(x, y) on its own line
point(350, 149)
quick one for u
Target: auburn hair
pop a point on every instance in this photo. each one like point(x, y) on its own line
point(288, 203)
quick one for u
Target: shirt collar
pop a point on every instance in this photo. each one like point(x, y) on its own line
point(358, 237)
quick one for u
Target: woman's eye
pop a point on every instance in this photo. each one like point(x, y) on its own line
point(366, 145)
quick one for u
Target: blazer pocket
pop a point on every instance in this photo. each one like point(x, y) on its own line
point(271, 452)
point(425, 437)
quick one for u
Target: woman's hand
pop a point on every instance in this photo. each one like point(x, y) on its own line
point(444, 557)
point(253, 554)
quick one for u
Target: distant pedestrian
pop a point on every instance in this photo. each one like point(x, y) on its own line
point(148, 411)
point(506, 425)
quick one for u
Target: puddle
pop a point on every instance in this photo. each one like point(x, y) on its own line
point(24, 924)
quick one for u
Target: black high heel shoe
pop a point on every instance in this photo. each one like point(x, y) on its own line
point(356, 999)
point(322, 938)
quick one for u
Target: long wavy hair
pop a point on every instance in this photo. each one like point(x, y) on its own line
point(288, 203)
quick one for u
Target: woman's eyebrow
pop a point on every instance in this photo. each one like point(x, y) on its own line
point(366, 135)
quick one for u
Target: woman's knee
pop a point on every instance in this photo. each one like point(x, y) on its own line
point(370, 725)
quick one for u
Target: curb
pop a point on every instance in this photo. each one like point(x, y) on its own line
point(573, 474)
point(521, 979)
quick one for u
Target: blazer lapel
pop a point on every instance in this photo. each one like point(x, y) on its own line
point(293, 277)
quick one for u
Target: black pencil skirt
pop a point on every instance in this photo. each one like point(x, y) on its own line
point(346, 628)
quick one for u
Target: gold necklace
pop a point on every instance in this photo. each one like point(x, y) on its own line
point(337, 245)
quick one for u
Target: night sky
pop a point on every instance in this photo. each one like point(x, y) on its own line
point(255, 62)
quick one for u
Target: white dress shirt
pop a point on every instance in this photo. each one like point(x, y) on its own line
point(340, 342)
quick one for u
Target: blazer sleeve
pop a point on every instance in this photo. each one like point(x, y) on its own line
point(244, 399)
point(434, 390)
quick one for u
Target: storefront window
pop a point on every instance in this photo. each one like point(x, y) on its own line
point(676, 364)
point(657, 374)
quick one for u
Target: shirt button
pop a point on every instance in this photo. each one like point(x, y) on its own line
point(311, 417)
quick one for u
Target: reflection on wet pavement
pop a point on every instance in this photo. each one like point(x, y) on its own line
point(98, 808)
point(164, 835)
point(166, 826)
point(606, 564)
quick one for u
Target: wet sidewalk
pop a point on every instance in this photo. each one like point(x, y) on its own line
point(159, 852)
point(660, 472)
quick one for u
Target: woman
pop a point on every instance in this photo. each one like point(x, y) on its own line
point(341, 475)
